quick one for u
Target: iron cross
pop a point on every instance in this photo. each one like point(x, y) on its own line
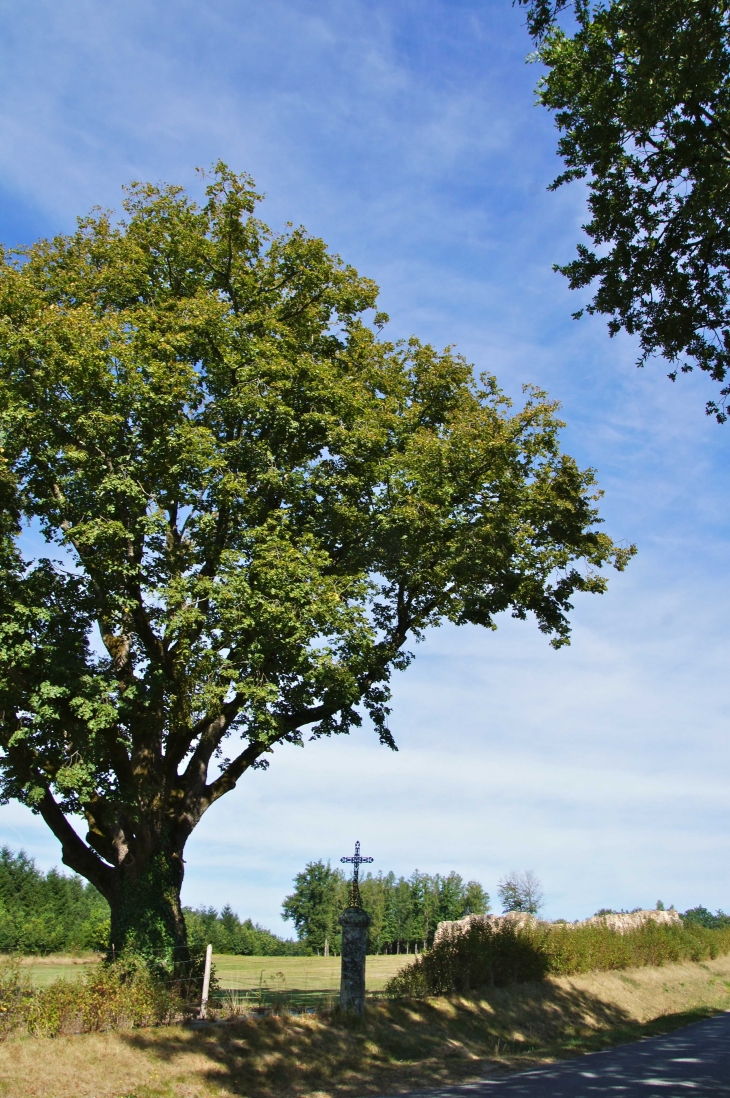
point(357, 861)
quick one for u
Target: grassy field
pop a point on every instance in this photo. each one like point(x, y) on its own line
point(272, 974)
point(400, 1045)
point(299, 973)
point(56, 966)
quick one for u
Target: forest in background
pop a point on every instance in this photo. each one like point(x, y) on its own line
point(43, 913)
point(49, 912)
point(405, 911)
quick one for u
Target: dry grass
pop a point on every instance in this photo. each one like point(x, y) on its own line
point(399, 1045)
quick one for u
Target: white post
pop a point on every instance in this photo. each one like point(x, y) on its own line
point(206, 981)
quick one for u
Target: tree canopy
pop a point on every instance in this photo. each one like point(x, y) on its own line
point(404, 912)
point(252, 500)
point(640, 90)
point(47, 912)
point(521, 892)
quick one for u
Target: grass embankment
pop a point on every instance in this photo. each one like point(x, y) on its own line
point(400, 1045)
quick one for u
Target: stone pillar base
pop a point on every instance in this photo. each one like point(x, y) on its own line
point(354, 922)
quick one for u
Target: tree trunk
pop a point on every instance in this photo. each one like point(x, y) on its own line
point(146, 914)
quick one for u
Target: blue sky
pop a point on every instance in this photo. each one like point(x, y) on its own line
point(405, 134)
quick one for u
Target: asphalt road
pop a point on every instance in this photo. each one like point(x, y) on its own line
point(692, 1061)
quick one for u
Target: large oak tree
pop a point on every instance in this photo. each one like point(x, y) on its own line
point(252, 501)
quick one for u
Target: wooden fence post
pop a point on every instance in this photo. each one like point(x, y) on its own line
point(206, 981)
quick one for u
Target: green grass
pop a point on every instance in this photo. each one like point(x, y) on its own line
point(294, 983)
point(297, 984)
point(299, 973)
point(270, 974)
point(58, 966)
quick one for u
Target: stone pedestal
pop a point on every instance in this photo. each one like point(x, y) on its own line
point(354, 922)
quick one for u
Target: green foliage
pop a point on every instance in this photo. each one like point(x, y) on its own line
point(475, 899)
point(496, 956)
point(521, 892)
point(700, 916)
point(319, 895)
point(48, 913)
point(591, 948)
point(118, 996)
point(404, 912)
point(229, 934)
point(147, 921)
point(641, 95)
point(52, 913)
point(255, 502)
point(481, 956)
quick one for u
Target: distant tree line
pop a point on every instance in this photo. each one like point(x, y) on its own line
point(404, 911)
point(229, 934)
point(48, 912)
point(700, 916)
point(51, 913)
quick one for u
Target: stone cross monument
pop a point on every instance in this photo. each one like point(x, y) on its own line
point(354, 922)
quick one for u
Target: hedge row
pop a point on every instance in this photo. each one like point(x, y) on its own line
point(489, 956)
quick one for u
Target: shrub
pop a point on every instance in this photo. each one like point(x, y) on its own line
point(122, 995)
point(15, 989)
point(485, 955)
point(460, 962)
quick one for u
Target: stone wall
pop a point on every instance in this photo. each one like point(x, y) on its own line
point(516, 918)
point(621, 923)
point(630, 921)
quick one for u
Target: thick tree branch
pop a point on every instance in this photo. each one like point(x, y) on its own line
point(75, 853)
point(154, 646)
point(211, 731)
point(227, 780)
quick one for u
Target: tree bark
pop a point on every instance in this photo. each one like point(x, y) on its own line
point(146, 913)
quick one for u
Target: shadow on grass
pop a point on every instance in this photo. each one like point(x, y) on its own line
point(400, 1045)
